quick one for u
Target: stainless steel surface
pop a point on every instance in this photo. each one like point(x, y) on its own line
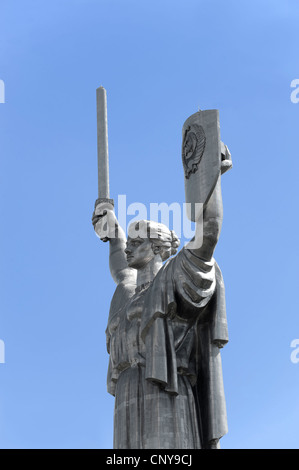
point(167, 321)
point(102, 137)
point(201, 155)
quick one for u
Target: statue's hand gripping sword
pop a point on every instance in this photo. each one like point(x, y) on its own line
point(103, 156)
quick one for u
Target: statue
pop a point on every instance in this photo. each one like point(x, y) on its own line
point(167, 320)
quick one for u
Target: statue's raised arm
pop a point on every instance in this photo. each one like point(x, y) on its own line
point(107, 228)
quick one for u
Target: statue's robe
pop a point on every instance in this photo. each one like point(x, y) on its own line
point(165, 366)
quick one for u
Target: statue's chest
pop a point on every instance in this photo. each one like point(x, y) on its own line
point(135, 306)
point(127, 346)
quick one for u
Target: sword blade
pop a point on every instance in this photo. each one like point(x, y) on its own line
point(102, 135)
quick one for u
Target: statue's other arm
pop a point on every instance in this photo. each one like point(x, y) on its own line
point(107, 227)
point(208, 229)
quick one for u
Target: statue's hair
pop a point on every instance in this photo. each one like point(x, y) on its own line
point(159, 234)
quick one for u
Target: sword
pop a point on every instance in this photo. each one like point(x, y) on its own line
point(103, 156)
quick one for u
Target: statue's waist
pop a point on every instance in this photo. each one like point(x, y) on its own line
point(140, 362)
point(136, 362)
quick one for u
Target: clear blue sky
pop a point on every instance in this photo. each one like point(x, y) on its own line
point(159, 61)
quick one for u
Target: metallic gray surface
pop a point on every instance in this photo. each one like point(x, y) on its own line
point(103, 156)
point(102, 138)
point(200, 182)
point(167, 325)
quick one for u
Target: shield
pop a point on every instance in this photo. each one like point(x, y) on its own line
point(201, 155)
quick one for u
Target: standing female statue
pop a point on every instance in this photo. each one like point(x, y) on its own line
point(166, 325)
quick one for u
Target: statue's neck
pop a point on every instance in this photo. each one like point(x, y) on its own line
point(148, 272)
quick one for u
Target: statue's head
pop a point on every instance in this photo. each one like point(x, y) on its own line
point(147, 240)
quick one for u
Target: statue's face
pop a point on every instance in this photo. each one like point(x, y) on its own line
point(139, 252)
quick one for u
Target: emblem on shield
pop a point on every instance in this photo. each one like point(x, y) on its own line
point(194, 142)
